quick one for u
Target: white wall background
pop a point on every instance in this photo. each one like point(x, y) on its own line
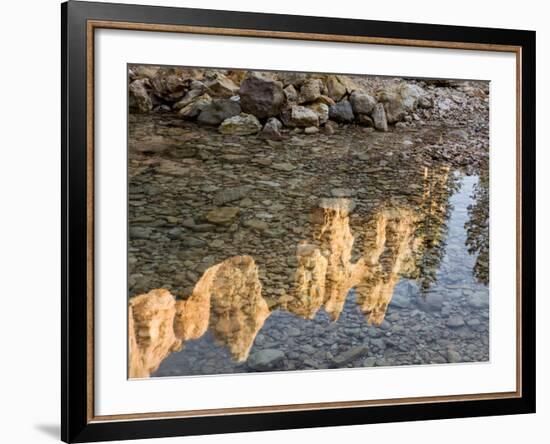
point(30, 221)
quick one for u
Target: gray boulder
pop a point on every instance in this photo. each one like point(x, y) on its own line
point(261, 96)
point(218, 110)
point(303, 117)
point(361, 102)
point(342, 112)
point(400, 100)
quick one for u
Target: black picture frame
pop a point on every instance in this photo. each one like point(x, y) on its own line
point(76, 423)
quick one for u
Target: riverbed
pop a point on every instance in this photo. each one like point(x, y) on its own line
point(371, 249)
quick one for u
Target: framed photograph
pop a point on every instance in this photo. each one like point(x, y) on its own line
point(275, 221)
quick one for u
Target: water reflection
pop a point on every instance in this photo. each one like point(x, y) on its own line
point(395, 241)
point(227, 300)
point(477, 228)
point(151, 336)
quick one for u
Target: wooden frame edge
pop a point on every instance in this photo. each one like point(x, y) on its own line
point(236, 32)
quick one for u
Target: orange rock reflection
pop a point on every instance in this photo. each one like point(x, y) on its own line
point(227, 300)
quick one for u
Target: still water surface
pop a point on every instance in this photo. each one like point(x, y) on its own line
point(404, 285)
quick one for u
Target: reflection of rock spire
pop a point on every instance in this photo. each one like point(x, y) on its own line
point(325, 280)
point(309, 292)
point(336, 238)
point(325, 273)
point(399, 242)
point(151, 335)
point(238, 308)
point(387, 253)
point(227, 300)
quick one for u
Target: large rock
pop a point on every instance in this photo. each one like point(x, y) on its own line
point(265, 359)
point(272, 129)
point(310, 91)
point(303, 117)
point(194, 108)
point(400, 100)
point(261, 96)
point(221, 86)
point(218, 110)
point(379, 118)
point(336, 90)
point(361, 102)
point(169, 85)
point(240, 125)
point(322, 111)
point(139, 99)
point(342, 112)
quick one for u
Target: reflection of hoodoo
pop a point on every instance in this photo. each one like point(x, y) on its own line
point(394, 247)
point(336, 238)
point(238, 309)
point(227, 300)
point(325, 273)
point(388, 253)
point(326, 280)
point(151, 335)
point(309, 292)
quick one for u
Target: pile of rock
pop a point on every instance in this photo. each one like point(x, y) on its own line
point(252, 102)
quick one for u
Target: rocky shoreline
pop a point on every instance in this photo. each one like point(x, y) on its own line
point(273, 103)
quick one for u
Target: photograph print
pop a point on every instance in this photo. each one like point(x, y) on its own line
point(291, 221)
